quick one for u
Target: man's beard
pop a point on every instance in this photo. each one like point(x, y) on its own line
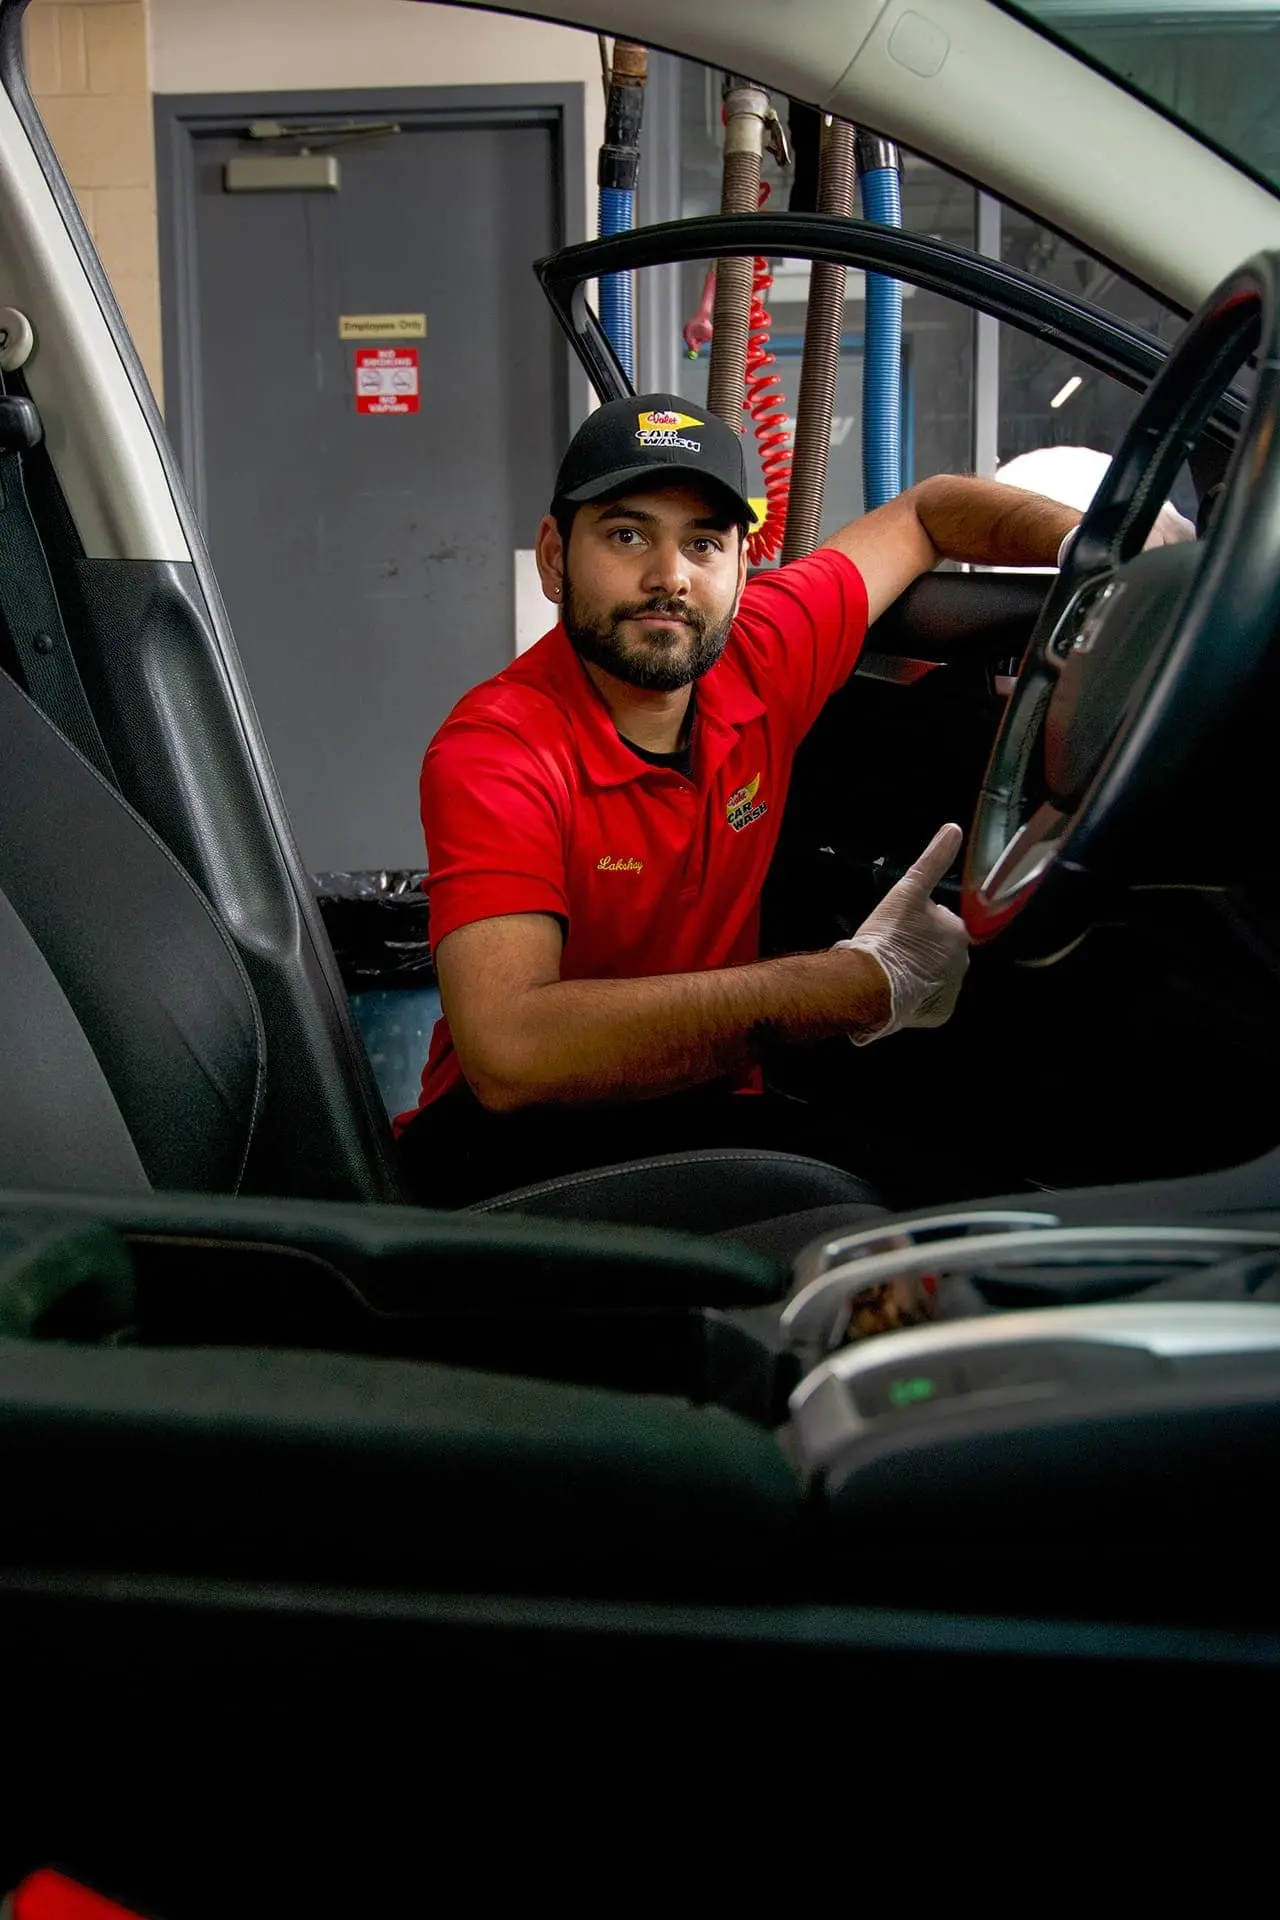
point(663, 663)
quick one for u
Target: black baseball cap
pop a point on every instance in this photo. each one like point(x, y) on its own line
point(653, 436)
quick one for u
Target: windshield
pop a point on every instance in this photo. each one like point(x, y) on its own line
point(1215, 68)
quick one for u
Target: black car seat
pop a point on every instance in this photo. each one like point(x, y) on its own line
point(132, 1047)
point(143, 678)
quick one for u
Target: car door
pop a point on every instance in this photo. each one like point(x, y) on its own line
point(1107, 1062)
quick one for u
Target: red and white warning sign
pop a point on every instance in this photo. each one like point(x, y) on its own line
point(386, 379)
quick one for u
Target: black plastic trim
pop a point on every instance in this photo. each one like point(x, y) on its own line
point(955, 617)
point(1079, 328)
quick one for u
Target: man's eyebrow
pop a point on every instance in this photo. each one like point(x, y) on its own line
point(619, 510)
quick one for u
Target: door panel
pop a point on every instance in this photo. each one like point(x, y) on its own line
point(960, 617)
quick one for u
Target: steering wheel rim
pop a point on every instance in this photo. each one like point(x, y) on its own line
point(1115, 695)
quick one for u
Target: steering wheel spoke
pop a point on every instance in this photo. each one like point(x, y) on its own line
point(1022, 865)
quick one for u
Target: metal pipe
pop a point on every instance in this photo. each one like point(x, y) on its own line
point(746, 111)
point(874, 153)
point(986, 354)
point(823, 329)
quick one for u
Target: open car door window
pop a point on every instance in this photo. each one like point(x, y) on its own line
point(902, 747)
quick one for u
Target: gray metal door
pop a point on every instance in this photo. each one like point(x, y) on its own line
point(367, 558)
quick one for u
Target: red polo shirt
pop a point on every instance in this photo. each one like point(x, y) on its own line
point(532, 804)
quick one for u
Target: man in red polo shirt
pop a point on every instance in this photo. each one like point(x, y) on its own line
point(600, 817)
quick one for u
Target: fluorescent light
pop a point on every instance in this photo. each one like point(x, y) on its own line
point(1065, 392)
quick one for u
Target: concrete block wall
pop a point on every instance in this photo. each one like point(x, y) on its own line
point(89, 68)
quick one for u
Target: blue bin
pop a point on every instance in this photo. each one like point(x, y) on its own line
point(395, 1024)
point(377, 923)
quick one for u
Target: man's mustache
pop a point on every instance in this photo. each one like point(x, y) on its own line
point(662, 610)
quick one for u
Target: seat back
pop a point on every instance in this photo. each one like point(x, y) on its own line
point(121, 989)
point(168, 693)
point(134, 662)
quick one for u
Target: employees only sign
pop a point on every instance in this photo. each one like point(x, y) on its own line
point(386, 379)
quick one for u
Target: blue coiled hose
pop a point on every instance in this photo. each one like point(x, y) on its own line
point(882, 352)
point(617, 290)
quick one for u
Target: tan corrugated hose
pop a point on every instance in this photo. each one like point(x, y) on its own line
point(824, 325)
point(746, 110)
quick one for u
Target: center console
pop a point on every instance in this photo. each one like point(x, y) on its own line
point(1045, 1400)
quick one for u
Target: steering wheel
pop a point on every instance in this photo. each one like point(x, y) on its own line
point(1123, 730)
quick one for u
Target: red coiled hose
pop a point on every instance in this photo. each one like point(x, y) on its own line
point(763, 400)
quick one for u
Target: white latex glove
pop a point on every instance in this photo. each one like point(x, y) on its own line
point(922, 947)
point(1170, 530)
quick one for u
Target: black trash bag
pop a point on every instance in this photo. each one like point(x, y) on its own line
point(377, 926)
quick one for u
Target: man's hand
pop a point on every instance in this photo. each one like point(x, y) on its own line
point(922, 947)
point(1171, 528)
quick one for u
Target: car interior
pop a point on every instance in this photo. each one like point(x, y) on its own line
point(279, 1445)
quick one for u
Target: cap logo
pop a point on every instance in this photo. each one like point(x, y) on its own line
point(662, 427)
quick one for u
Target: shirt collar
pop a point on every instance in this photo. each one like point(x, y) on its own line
point(725, 704)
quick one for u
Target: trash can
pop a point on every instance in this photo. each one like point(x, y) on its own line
point(377, 926)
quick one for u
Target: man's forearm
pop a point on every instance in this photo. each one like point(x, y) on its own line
point(948, 518)
point(989, 524)
point(578, 1041)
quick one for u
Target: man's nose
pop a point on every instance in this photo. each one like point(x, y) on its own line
point(666, 569)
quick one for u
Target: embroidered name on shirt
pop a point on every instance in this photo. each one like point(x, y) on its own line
point(740, 812)
point(607, 864)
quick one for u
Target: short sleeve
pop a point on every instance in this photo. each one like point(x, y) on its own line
point(800, 629)
point(492, 822)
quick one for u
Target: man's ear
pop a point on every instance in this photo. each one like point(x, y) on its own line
point(549, 553)
point(742, 570)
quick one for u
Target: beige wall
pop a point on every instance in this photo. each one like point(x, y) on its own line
point(88, 68)
point(247, 46)
point(232, 46)
point(94, 65)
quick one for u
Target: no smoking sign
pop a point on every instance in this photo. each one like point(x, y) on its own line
point(386, 379)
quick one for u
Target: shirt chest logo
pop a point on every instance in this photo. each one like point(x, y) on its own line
point(743, 807)
point(612, 863)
